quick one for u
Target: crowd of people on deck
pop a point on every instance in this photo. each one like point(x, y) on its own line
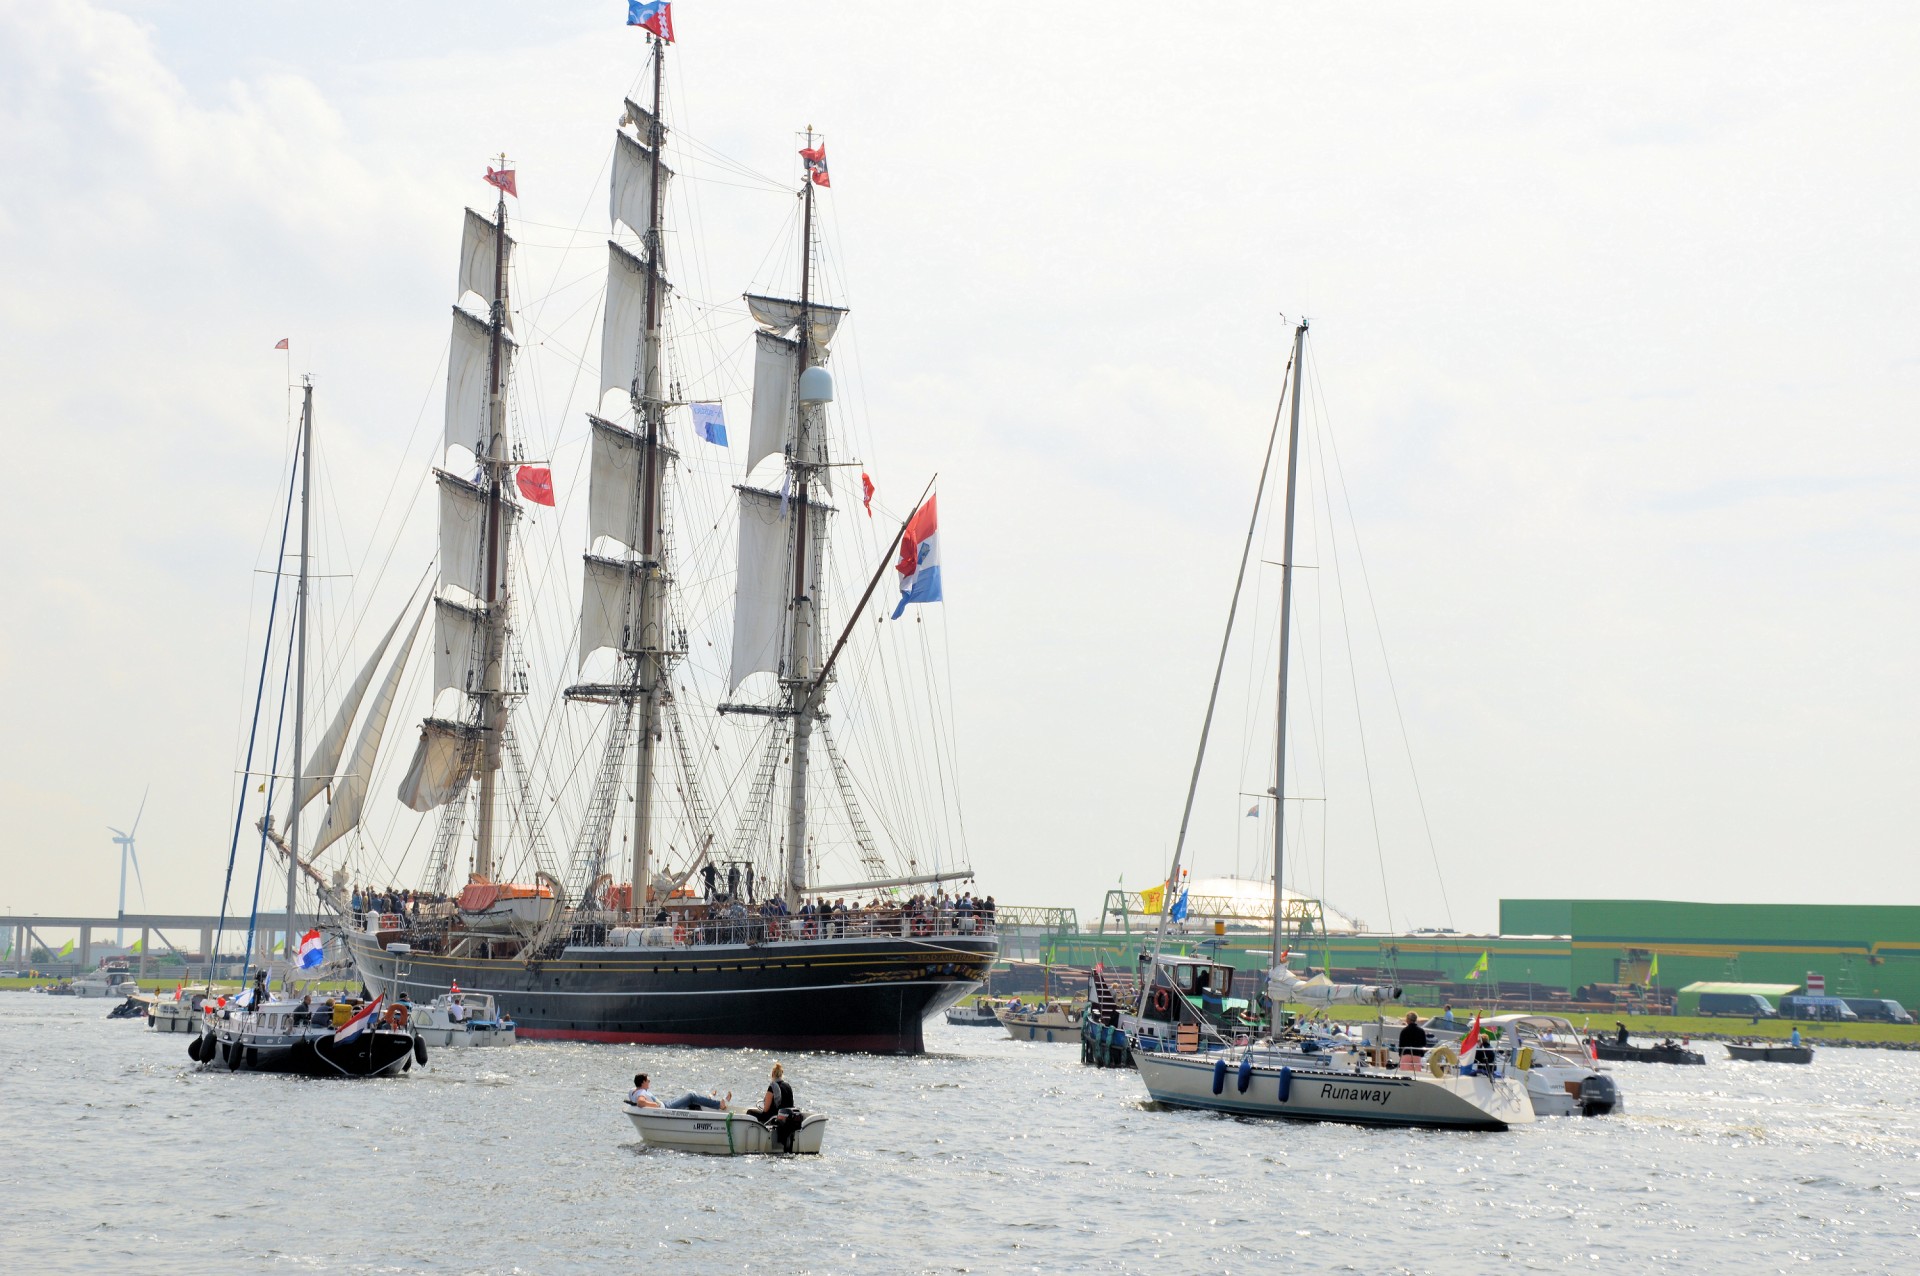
point(366, 899)
point(732, 920)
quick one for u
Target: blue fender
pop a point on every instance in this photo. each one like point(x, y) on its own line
point(1219, 1075)
point(1245, 1077)
point(1286, 1082)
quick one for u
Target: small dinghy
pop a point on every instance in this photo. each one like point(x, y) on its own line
point(726, 1133)
point(979, 1015)
point(1757, 1052)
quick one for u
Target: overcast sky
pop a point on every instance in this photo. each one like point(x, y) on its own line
point(1613, 328)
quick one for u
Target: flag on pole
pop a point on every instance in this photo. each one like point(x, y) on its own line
point(1479, 969)
point(655, 15)
point(1472, 1039)
point(1653, 968)
point(137, 946)
point(816, 160)
point(535, 483)
point(280, 344)
point(312, 950)
point(353, 1027)
point(503, 178)
point(866, 492)
point(1178, 912)
point(67, 949)
point(710, 419)
point(919, 564)
point(1253, 812)
point(1152, 897)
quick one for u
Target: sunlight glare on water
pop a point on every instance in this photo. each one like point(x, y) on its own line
point(986, 1155)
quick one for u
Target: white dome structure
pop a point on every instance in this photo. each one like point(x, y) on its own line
point(1242, 900)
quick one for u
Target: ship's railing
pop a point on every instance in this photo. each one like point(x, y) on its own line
point(684, 932)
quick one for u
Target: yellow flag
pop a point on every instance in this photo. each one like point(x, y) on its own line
point(1152, 897)
point(67, 948)
point(137, 945)
point(1653, 967)
point(1479, 968)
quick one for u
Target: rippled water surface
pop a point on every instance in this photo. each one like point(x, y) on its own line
point(986, 1156)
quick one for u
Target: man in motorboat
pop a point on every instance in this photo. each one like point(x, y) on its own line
point(1620, 1033)
point(642, 1097)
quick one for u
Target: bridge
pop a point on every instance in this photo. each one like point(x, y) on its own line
point(269, 929)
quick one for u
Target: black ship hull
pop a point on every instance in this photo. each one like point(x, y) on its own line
point(371, 1054)
point(857, 995)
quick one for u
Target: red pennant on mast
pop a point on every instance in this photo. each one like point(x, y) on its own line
point(280, 344)
point(866, 492)
point(503, 178)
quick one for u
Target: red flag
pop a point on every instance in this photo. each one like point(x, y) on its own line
point(816, 158)
point(503, 178)
point(281, 344)
point(866, 492)
point(536, 483)
point(1472, 1039)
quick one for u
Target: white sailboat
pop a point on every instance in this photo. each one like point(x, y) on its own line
point(1306, 1079)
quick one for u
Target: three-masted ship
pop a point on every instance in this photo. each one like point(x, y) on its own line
point(742, 943)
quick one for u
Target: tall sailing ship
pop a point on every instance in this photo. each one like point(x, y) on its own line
point(737, 944)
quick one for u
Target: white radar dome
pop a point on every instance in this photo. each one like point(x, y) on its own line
point(816, 386)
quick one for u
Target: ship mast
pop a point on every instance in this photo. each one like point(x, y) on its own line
point(803, 699)
point(300, 670)
point(495, 462)
point(1286, 625)
point(649, 410)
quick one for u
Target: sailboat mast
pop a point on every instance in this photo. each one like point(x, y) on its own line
point(649, 410)
point(803, 700)
point(1286, 630)
point(493, 708)
point(300, 665)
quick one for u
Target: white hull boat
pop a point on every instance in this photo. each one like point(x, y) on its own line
point(719, 1133)
point(173, 1016)
point(1332, 1088)
point(980, 1014)
point(1056, 1022)
point(477, 1022)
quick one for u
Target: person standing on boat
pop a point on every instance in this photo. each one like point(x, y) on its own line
point(1413, 1038)
point(779, 1095)
point(1794, 1040)
point(1446, 1014)
point(1620, 1037)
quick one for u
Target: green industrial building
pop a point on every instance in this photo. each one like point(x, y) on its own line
point(1562, 946)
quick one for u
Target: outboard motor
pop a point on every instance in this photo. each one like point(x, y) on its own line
point(1598, 1095)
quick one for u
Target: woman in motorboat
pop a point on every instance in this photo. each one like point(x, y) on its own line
point(642, 1097)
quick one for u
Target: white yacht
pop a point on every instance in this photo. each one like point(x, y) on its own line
point(462, 1019)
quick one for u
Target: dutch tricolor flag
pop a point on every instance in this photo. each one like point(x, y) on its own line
point(312, 950)
point(355, 1026)
point(919, 564)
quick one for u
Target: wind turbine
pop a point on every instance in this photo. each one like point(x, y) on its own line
point(125, 842)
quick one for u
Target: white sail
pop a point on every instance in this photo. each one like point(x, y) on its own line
point(783, 316)
point(1283, 985)
point(763, 588)
point(603, 604)
point(350, 794)
point(631, 196)
point(623, 354)
point(325, 759)
point(613, 484)
point(467, 381)
point(442, 762)
point(639, 119)
point(457, 657)
point(476, 258)
point(463, 525)
point(775, 378)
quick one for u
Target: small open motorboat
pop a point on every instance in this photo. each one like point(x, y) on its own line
point(1769, 1052)
point(724, 1133)
point(1665, 1052)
